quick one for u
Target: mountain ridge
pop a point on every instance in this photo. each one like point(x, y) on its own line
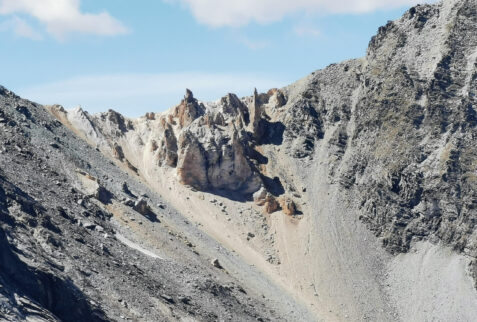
point(358, 179)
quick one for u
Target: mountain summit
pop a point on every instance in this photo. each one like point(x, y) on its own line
point(348, 195)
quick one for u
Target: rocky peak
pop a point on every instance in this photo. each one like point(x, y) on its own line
point(188, 110)
point(188, 97)
point(232, 105)
point(115, 122)
point(255, 115)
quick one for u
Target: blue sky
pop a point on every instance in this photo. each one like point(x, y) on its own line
point(139, 56)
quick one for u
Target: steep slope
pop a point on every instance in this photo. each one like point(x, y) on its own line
point(326, 183)
point(82, 240)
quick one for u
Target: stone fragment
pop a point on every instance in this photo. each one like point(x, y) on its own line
point(215, 262)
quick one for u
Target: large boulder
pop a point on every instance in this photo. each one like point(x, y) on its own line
point(142, 207)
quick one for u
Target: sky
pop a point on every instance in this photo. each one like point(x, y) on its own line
point(139, 56)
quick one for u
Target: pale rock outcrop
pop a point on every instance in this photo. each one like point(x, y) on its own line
point(167, 153)
point(192, 165)
point(255, 115)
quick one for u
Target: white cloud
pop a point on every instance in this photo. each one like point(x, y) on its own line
point(218, 13)
point(20, 28)
point(136, 94)
point(62, 17)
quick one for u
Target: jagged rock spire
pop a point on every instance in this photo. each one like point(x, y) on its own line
point(255, 114)
point(189, 97)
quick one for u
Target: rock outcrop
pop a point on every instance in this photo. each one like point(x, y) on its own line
point(70, 245)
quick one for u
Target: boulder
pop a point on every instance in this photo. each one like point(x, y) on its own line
point(271, 204)
point(288, 206)
point(142, 207)
point(103, 195)
point(263, 198)
point(215, 262)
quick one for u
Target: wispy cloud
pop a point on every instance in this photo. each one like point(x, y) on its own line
point(253, 44)
point(136, 94)
point(219, 13)
point(306, 31)
point(63, 17)
point(20, 28)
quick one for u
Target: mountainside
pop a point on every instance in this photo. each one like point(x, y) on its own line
point(348, 195)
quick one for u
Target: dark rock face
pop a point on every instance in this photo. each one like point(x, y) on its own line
point(41, 293)
point(419, 133)
point(31, 289)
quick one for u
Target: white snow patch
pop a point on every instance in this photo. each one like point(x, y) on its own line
point(137, 247)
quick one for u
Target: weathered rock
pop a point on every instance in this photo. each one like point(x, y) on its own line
point(150, 116)
point(168, 148)
point(125, 189)
point(255, 115)
point(131, 167)
point(91, 187)
point(142, 207)
point(271, 204)
point(192, 165)
point(115, 122)
point(118, 152)
point(288, 206)
point(188, 110)
point(215, 262)
point(103, 194)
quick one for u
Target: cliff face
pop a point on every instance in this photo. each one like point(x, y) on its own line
point(414, 153)
point(325, 185)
